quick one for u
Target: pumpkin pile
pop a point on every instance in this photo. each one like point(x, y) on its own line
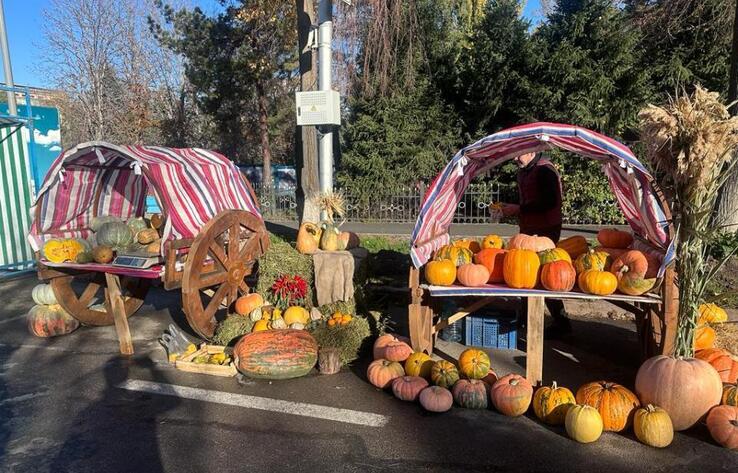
point(268, 317)
point(47, 318)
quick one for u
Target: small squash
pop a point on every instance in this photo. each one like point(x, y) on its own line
point(614, 238)
point(407, 388)
point(722, 422)
point(558, 276)
point(652, 426)
point(472, 275)
point(444, 374)
point(102, 254)
point(551, 403)
point(592, 260)
point(711, 314)
point(635, 286)
point(730, 395)
point(381, 372)
point(246, 304)
point(554, 254)
point(456, 254)
point(601, 283)
point(704, 337)
point(296, 314)
point(520, 269)
point(474, 363)
point(575, 246)
point(493, 259)
point(329, 237)
point(436, 399)
point(492, 241)
point(615, 403)
point(723, 362)
point(419, 364)
point(521, 241)
point(471, 245)
point(470, 394)
point(43, 294)
point(511, 395)
point(583, 424)
point(308, 238)
point(440, 272)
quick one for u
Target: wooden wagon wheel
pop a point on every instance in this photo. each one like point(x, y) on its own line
point(233, 240)
point(77, 294)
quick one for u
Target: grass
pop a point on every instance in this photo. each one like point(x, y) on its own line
point(374, 244)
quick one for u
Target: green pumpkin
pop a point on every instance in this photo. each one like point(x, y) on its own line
point(97, 222)
point(84, 257)
point(329, 237)
point(470, 393)
point(136, 224)
point(115, 235)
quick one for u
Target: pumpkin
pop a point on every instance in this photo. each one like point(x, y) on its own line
point(601, 283)
point(97, 222)
point(440, 273)
point(84, 257)
point(575, 246)
point(520, 269)
point(456, 254)
point(652, 426)
point(436, 399)
point(686, 388)
point(245, 305)
point(147, 236)
point(711, 314)
point(493, 259)
point(329, 237)
point(278, 323)
point(614, 238)
point(261, 325)
point(725, 364)
point(276, 354)
point(407, 388)
point(116, 235)
point(491, 378)
point(730, 395)
point(157, 221)
point(551, 403)
point(511, 395)
point(521, 241)
point(635, 286)
point(472, 275)
point(554, 254)
point(444, 374)
point(722, 422)
point(558, 276)
point(471, 245)
point(470, 393)
point(55, 251)
point(615, 403)
point(348, 240)
point(704, 337)
point(256, 315)
point(154, 248)
point(381, 372)
point(43, 294)
point(613, 252)
point(492, 241)
point(474, 363)
point(598, 260)
point(419, 364)
point(102, 254)
point(583, 424)
point(296, 314)
point(382, 341)
point(397, 351)
point(308, 238)
point(50, 321)
point(137, 224)
point(632, 263)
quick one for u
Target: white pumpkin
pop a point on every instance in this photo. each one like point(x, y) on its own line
point(279, 323)
point(255, 314)
point(43, 294)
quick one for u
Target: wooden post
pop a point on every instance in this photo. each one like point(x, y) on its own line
point(659, 327)
point(534, 351)
point(420, 317)
point(117, 307)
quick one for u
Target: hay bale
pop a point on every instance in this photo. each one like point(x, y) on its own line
point(283, 258)
point(727, 337)
point(232, 328)
point(347, 338)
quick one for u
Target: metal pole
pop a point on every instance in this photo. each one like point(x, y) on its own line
point(325, 146)
point(12, 110)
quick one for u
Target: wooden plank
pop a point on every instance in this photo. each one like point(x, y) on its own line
point(504, 291)
point(117, 306)
point(462, 313)
point(534, 339)
point(426, 325)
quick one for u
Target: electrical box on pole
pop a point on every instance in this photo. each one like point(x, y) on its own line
point(318, 107)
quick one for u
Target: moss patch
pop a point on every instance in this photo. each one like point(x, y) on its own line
point(347, 338)
point(232, 328)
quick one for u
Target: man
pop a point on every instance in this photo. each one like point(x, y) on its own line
point(539, 213)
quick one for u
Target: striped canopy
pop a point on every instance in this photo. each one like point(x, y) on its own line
point(191, 186)
point(631, 183)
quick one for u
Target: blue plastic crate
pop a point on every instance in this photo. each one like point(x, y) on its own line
point(490, 331)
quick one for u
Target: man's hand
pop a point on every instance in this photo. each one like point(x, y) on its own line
point(510, 210)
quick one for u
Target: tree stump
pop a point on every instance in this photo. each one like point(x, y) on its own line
point(329, 360)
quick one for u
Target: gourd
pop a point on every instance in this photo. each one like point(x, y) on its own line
point(470, 394)
point(634, 286)
point(615, 403)
point(471, 245)
point(115, 235)
point(711, 314)
point(704, 337)
point(722, 361)
point(329, 237)
point(444, 374)
point(520, 269)
point(492, 241)
point(102, 254)
point(455, 254)
point(472, 275)
point(490, 378)
point(261, 325)
point(652, 426)
point(419, 364)
point(583, 424)
point(575, 246)
point(157, 221)
point(276, 354)
point(308, 238)
point(614, 238)
point(348, 240)
point(722, 422)
point(436, 399)
point(279, 323)
point(558, 276)
point(601, 283)
point(50, 321)
point(686, 388)
point(554, 254)
point(730, 395)
point(440, 273)
point(474, 363)
point(246, 304)
point(43, 294)
point(382, 341)
point(521, 241)
point(493, 259)
point(147, 236)
point(598, 260)
point(511, 395)
point(296, 314)
point(407, 388)
point(255, 315)
point(551, 403)
point(381, 372)
point(632, 264)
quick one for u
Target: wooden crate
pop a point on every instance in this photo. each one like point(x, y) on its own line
point(187, 364)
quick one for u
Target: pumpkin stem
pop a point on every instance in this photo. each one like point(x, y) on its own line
point(554, 385)
point(513, 382)
point(734, 423)
point(650, 408)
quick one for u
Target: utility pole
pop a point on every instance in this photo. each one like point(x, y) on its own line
point(325, 37)
point(12, 109)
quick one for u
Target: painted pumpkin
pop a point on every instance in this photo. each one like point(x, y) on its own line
point(102, 254)
point(725, 364)
point(601, 283)
point(348, 240)
point(276, 354)
point(615, 403)
point(535, 243)
point(444, 374)
point(329, 237)
point(296, 314)
point(730, 395)
point(308, 238)
point(382, 341)
point(614, 238)
point(440, 272)
point(551, 403)
point(419, 364)
point(470, 394)
point(511, 395)
point(592, 260)
point(554, 254)
point(407, 388)
point(575, 246)
point(494, 260)
point(474, 363)
point(116, 235)
point(248, 303)
point(712, 314)
point(558, 276)
point(381, 372)
point(455, 254)
point(492, 241)
point(520, 269)
point(635, 286)
point(471, 245)
point(686, 388)
point(583, 424)
point(436, 399)
point(722, 422)
point(704, 337)
point(50, 321)
point(472, 275)
point(652, 426)
point(43, 294)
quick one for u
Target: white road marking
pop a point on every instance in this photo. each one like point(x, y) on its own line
point(256, 402)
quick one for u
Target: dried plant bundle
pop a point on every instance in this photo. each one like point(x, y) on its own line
point(333, 204)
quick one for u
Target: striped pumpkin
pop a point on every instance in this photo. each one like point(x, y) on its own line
point(730, 395)
point(276, 354)
point(598, 260)
point(615, 403)
point(575, 246)
point(457, 254)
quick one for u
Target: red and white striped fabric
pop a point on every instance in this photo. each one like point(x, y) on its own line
point(191, 186)
point(630, 181)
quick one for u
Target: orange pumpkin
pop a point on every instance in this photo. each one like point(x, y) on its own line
point(704, 337)
point(521, 241)
point(575, 245)
point(407, 388)
point(615, 403)
point(601, 283)
point(248, 303)
point(558, 276)
point(492, 241)
point(419, 364)
point(632, 263)
point(722, 422)
point(472, 275)
point(471, 245)
point(381, 372)
point(474, 363)
point(493, 259)
point(436, 399)
point(511, 395)
point(592, 260)
point(730, 395)
point(382, 341)
point(614, 238)
point(520, 269)
point(554, 254)
point(456, 254)
point(722, 361)
point(440, 273)
point(550, 404)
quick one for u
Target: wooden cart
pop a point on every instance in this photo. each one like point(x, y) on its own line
point(213, 231)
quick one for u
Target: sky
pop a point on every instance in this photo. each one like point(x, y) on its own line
point(24, 21)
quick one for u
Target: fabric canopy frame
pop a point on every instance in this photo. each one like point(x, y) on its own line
point(191, 186)
point(632, 184)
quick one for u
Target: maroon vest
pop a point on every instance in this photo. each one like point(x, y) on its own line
point(539, 222)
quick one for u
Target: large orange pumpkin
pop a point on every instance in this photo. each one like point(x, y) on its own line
point(381, 372)
point(550, 404)
point(492, 241)
point(704, 337)
point(248, 303)
point(511, 395)
point(686, 388)
point(440, 273)
point(722, 422)
point(575, 246)
point(614, 238)
point(456, 254)
point(730, 395)
point(536, 243)
point(632, 263)
point(558, 276)
point(615, 403)
point(474, 363)
point(601, 283)
point(520, 269)
point(592, 260)
point(471, 245)
point(472, 275)
point(493, 259)
point(725, 364)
